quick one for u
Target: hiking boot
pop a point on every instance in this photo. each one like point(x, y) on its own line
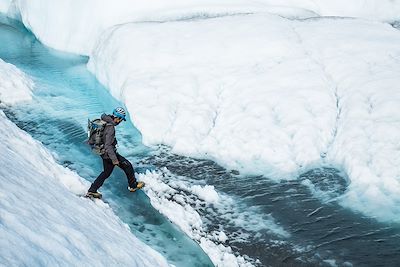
point(93, 194)
point(139, 185)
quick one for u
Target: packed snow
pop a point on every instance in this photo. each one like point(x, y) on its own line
point(43, 220)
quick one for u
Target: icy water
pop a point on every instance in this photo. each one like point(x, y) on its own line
point(289, 223)
point(321, 232)
point(66, 94)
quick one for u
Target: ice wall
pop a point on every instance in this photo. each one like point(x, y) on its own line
point(75, 26)
point(43, 221)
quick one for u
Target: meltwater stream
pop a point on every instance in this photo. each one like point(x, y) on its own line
point(65, 95)
point(288, 223)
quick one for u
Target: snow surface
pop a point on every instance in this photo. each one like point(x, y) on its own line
point(71, 25)
point(4, 5)
point(274, 97)
point(14, 84)
point(43, 221)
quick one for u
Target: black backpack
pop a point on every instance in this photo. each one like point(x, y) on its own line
point(95, 134)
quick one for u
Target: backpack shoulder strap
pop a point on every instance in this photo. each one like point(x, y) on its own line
point(103, 123)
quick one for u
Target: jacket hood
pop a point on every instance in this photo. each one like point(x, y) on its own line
point(108, 119)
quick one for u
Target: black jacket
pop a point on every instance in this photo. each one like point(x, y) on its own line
point(109, 138)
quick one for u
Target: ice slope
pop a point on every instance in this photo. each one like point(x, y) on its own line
point(75, 26)
point(43, 221)
point(273, 96)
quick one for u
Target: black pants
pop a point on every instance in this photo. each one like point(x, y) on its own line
point(108, 166)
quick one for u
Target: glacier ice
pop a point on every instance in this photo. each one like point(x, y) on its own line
point(273, 97)
point(71, 25)
point(43, 220)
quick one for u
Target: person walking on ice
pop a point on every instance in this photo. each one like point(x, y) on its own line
point(101, 133)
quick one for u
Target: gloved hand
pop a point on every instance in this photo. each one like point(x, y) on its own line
point(116, 162)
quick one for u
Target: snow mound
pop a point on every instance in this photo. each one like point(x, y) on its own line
point(274, 97)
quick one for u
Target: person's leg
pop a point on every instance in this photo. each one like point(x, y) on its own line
point(108, 168)
point(127, 167)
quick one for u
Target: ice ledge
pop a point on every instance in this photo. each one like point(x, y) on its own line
point(59, 24)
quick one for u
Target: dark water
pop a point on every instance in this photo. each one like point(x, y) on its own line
point(288, 223)
point(396, 24)
point(322, 233)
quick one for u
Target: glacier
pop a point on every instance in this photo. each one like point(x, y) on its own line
point(43, 220)
point(297, 84)
point(263, 87)
point(274, 97)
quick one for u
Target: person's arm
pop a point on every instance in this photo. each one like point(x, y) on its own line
point(109, 136)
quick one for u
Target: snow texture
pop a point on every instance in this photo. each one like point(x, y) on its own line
point(275, 96)
point(176, 198)
point(14, 84)
point(43, 220)
point(4, 5)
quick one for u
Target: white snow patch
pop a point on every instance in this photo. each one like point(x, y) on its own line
point(222, 255)
point(331, 263)
point(206, 193)
point(221, 236)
